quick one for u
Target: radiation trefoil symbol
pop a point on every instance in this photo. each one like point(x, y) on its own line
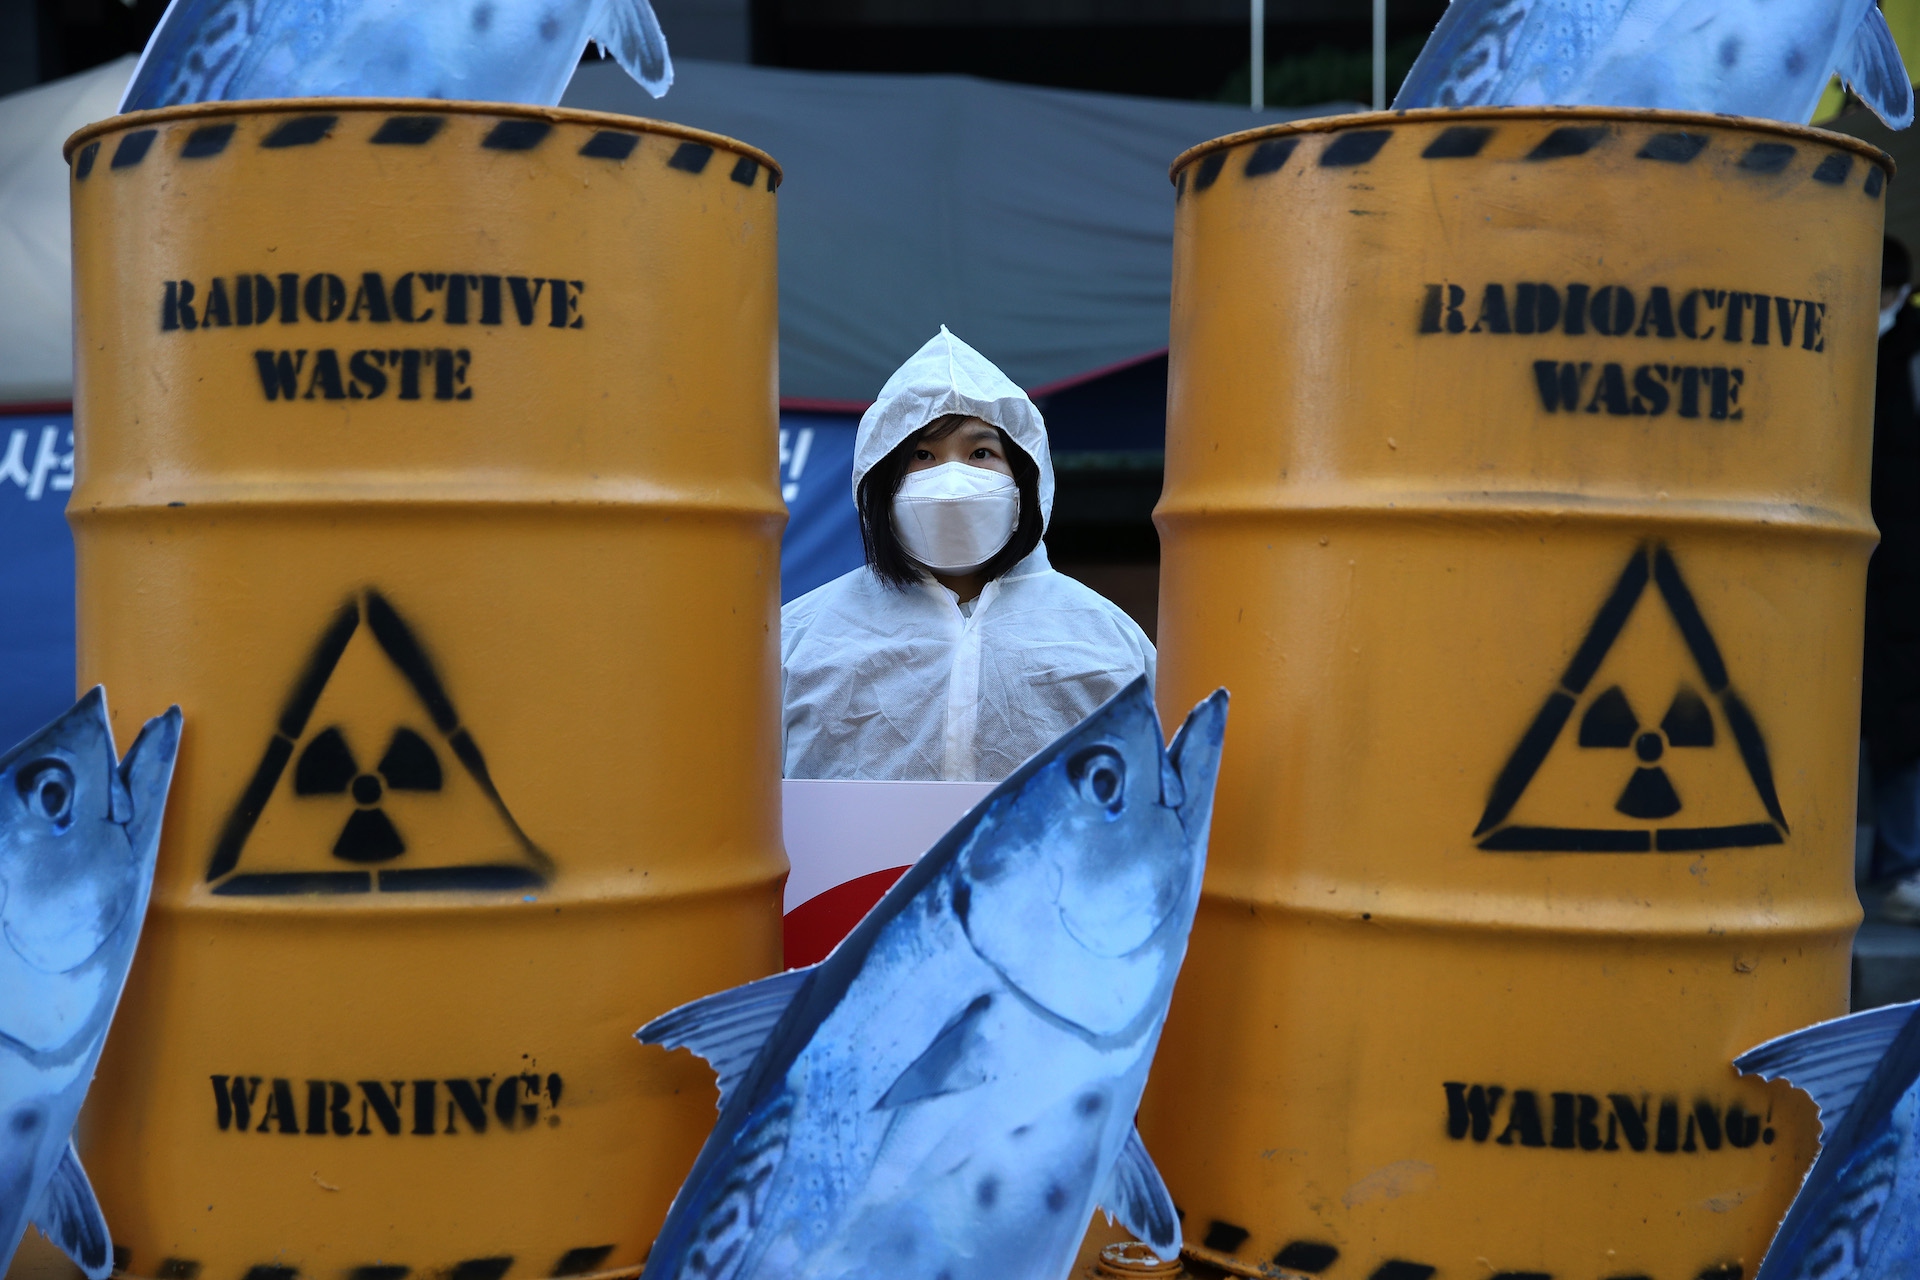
point(339, 833)
point(1610, 722)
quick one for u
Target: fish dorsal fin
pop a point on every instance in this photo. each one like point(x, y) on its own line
point(1873, 69)
point(629, 31)
point(728, 1028)
point(951, 1064)
point(70, 1216)
point(1829, 1060)
point(1137, 1195)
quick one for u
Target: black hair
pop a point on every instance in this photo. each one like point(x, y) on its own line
point(1896, 268)
point(888, 559)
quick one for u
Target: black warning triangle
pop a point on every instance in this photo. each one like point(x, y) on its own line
point(1610, 720)
point(364, 850)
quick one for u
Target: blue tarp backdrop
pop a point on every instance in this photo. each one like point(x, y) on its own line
point(36, 621)
point(823, 529)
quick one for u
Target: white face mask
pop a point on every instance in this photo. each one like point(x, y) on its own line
point(955, 517)
point(1890, 313)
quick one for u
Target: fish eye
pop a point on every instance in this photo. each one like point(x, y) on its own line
point(1100, 776)
point(46, 788)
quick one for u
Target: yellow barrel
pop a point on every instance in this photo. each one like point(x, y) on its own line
point(1516, 485)
point(427, 459)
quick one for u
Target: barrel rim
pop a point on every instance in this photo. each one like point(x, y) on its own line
point(418, 106)
point(1417, 115)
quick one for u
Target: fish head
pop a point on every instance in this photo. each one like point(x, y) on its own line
point(78, 833)
point(1080, 881)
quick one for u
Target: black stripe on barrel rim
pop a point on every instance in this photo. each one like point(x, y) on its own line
point(1355, 147)
point(1209, 170)
point(773, 178)
point(406, 131)
point(83, 163)
point(178, 1269)
point(1876, 179)
point(745, 170)
point(268, 1271)
point(582, 1261)
point(1270, 156)
point(610, 144)
point(1225, 1237)
point(1674, 148)
point(1457, 142)
point(1569, 140)
point(1309, 1256)
point(1395, 1269)
point(1767, 157)
point(122, 1257)
point(690, 157)
point(1834, 169)
point(207, 140)
point(301, 131)
point(482, 1268)
point(379, 1271)
point(133, 148)
point(516, 135)
point(1179, 184)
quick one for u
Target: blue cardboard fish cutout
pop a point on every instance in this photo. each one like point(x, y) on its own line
point(1766, 58)
point(952, 1090)
point(78, 835)
point(1857, 1216)
point(479, 50)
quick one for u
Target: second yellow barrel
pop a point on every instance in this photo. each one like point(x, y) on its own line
point(427, 460)
point(1517, 487)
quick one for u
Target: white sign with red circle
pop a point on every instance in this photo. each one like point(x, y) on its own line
point(849, 841)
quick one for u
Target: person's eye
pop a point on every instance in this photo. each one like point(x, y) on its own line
point(921, 455)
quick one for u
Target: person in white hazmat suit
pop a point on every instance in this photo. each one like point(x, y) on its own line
point(956, 651)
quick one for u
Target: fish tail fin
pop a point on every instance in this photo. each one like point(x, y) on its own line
point(1873, 69)
point(191, 56)
point(69, 1215)
point(629, 31)
point(1137, 1195)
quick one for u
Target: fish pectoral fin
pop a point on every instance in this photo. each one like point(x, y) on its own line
point(629, 31)
point(1829, 1060)
point(1874, 71)
point(1137, 1195)
point(951, 1064)
point(728, 1028)
point(70, 1216)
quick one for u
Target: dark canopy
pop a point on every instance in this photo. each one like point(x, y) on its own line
point(1036, 223)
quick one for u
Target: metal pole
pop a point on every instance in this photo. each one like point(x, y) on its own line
point(1379, 54)
point(1259, 55)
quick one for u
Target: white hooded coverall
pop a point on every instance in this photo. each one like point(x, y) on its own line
point(885, 683)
